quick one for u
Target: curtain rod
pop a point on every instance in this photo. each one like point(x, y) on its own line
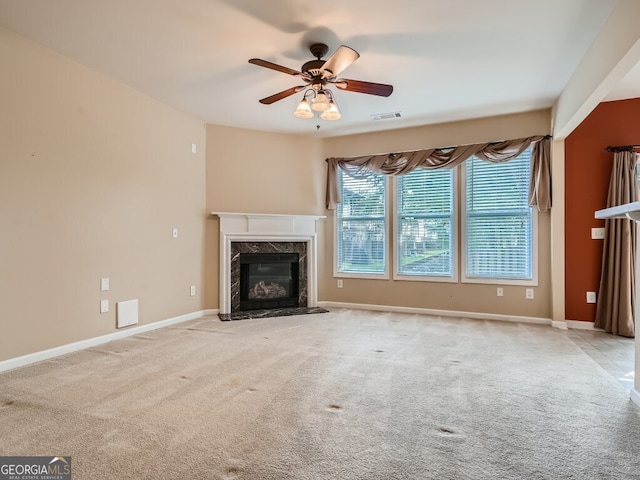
point(622, 148)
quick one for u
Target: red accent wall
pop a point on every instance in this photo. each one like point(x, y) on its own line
point(587, 171)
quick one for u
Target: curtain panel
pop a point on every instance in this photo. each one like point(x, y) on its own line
point(434, 158)
point(615, 310)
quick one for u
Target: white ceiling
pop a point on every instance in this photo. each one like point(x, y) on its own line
point(447, 59)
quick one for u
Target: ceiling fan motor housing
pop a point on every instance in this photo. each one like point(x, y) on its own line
point(314, 67)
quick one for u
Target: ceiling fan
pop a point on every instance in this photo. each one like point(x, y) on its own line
point(318, 74)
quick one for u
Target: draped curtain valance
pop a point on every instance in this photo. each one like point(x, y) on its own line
point(434, 158)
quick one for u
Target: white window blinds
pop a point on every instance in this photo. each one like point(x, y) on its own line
point(498, 219)
point(425, 223)
point(361, 225)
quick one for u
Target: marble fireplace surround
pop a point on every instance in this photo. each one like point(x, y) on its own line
point(239, 248)
point(270, 228)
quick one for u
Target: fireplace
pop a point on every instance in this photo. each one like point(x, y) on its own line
point(283, 280)
point(268, 275)
point(268, 280)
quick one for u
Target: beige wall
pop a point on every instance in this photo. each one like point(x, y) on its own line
point(93, 177)
point(431, 295)
point(258, 172)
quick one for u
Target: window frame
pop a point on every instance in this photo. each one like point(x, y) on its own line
point(454, 278)
point(459, 240)
point(387, 244)
point(533, 282)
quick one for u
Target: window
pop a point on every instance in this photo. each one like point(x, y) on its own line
point(471, 223)
point(361, 225)
point(425, 224)
point(498, 221)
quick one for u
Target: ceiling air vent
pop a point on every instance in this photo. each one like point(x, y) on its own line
point(386, 116)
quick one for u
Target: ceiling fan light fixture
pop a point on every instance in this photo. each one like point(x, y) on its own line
point(304, 109)
point(331, 113)
point(320, 102)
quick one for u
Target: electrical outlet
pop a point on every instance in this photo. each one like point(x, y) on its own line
point(597, 233)
point(104, 306)
point(340, 283)
point(591, 297)
point(500, 292)
point(192, 291)
point(528, 293)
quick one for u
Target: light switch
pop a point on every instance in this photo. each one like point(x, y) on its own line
point(194, 148)
point(104, 284)
point(174, 233)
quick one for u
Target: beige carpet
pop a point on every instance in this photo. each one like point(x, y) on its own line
point(343, 395)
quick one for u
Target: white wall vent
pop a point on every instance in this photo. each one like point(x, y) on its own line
point(127, 313)
point(386, 116)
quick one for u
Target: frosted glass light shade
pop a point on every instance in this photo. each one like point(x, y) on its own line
point(332, 113)
point(303, 110)
point(320, 102)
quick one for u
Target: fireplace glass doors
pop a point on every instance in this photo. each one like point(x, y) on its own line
point(269, 280)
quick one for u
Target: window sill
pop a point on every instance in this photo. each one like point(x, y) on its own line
point(424, 278)
point(501, 281)
point(363, 276)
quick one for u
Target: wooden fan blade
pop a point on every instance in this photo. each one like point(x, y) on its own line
point(341, 59)
point(359, 86)
point(284, 94)
point(274, 66)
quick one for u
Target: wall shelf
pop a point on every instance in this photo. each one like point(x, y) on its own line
point(628, 210)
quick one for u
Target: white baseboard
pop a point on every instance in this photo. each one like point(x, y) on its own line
point(582, 325)
point(24, 360)
point(635, 396)
point(439, 313)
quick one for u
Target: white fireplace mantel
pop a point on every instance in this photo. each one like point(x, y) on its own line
point(260, 227)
